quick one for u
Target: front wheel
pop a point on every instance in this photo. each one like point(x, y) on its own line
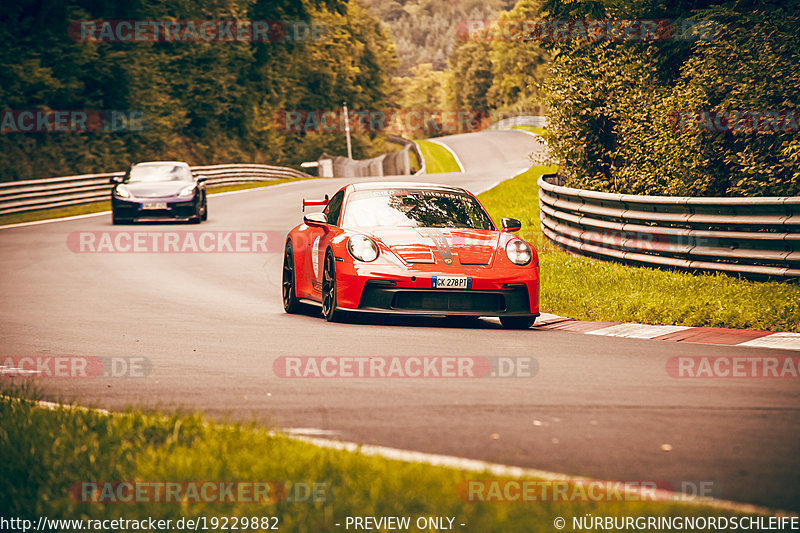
point(517, 322)
point(290, 302)
point(329, 294)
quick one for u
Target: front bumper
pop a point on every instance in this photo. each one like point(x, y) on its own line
point(382, 296)
point(494, 292)
point(176, 209)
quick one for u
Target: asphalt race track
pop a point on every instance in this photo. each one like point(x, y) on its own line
point(211, 325)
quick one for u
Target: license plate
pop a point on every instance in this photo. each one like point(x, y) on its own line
point(451, 282)
point(155, 205)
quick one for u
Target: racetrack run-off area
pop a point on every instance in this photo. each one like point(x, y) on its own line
point(211, 325)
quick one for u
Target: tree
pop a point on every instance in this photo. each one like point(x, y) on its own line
point(617, 108)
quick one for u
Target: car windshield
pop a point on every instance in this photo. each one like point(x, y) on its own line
point(415, 208)
point(151, 173)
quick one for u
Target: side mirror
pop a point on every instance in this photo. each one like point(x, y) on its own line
point(115, 180)
point(511, 225)
point(200, 179)
point(319, 220)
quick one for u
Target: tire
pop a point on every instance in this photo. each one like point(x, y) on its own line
point(289, 291)
point(517, 322)
point(198, 214)
point(329, 290)
point(115, 220)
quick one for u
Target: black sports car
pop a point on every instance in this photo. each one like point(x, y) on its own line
point(158, 190)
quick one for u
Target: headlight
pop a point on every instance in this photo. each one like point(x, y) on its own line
point(519, 252)
point(186, 191)
point(122, 191)
point(362, 248)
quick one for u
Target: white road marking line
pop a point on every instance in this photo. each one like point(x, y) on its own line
point(52, 406)
point(496, 469)
point(548, 318)
point(783, 340)
point(49, 220)
point(309, 432)
point(18, 371)
point(452, 152)
point(473, 465)
point(514, 174)
point(637, 331)
point(493, 185)
point(227, 193)
point(523, 131)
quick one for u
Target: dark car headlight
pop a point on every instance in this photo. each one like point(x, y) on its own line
point(519, 252)
point(362, 248)
point(186, 192)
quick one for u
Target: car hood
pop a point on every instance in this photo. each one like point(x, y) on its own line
point(156, 189)
point(441, 245)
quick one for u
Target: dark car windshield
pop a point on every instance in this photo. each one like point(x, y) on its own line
point(151, 173)
point(415, 208)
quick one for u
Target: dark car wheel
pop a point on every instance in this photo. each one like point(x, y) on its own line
point(329, 299)
point(290, 302)
point(517, 322)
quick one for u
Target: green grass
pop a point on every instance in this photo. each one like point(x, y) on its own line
point(46, 451)
point(591, 289)
point(437, 158)
point(56, 212)
point(105, 205)
point(532, 129)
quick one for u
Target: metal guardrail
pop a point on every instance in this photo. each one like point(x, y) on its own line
point(30, 195)
point(747, 236)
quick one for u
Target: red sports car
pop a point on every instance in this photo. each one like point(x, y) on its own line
point(410, 248)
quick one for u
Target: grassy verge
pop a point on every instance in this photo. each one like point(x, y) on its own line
point(56, 212)
point(46, 452)
point(532, 129)
point(437, 158)
point(98, 207)
point(590, 289)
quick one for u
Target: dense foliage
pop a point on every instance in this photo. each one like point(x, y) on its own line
point(456, 68)
point(498, 71)
point(204, 102)
point(643, 117)
point(426, 31)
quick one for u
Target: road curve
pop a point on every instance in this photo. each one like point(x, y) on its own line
point(212, 325)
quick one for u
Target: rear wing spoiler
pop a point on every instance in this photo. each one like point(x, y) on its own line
point(314, 202)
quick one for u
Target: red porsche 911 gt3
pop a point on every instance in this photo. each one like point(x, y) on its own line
point(410, 248)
